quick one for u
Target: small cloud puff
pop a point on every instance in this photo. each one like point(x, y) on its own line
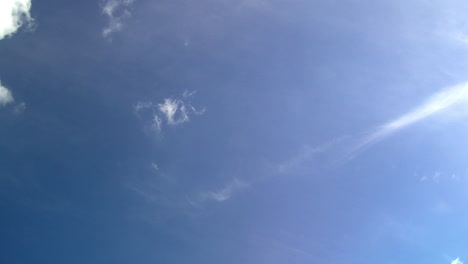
point(13, 15)
point(171, 112)
point(457, 261)
point(116, 11)
point(5, 96)
point(154, 166)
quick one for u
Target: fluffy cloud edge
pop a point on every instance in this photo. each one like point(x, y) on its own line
point(13, 15)
point(6, 97)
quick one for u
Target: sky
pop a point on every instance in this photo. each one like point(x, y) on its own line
point(247, 131)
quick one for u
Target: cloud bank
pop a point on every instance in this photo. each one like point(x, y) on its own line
point(14, 14)
point(116, 11)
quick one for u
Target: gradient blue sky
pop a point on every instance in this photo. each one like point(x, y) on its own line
point(247, 131)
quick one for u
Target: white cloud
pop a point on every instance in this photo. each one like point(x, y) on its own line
point(198, 112)
point(14, 14)
point(5, 96)
point(142, 105)
point(188, 93)
point(435, 104)
point(439, 177)
point(457, 261)
point(226, 192)
point(157, 123)
point(154, 166)
point(174, 111)
point(171, 112)
point(116, 11)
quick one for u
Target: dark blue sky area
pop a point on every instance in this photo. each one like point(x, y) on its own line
point(250, 131)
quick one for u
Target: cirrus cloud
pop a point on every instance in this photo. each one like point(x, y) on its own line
point(116, 11)
point(437, 103)
point(170, 112)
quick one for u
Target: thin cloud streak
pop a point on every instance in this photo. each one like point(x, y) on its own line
point(307, 154)
point(435, 104)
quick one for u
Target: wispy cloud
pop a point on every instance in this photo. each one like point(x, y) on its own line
point(187, 93)
point(19, 108)
point(198, 112)
point(142, 105)
point(285, 242)
point(437, 103)
point(237, 185)
point(13, 15)
point(116, 11)
point(225, 193)
point(457, 261)
point(174, 111)
point(154, 166)
point(171, 112)
point(5, 96)
point(306, 154)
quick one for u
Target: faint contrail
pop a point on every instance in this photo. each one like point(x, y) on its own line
point(435, 104)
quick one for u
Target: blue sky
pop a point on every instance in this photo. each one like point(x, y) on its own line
point(249, 131)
